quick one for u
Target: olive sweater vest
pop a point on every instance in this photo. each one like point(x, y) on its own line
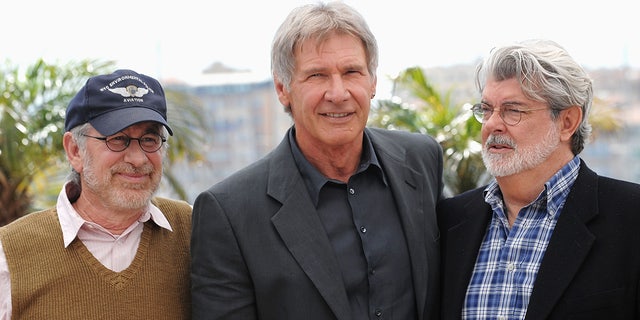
point(49, 281)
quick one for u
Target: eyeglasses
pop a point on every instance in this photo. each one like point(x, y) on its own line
point(149, 142)
point(511, 115)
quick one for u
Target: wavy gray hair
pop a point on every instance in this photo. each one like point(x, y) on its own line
point(546, 73)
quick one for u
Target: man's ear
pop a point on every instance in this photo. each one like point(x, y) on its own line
point(283, 93)
point(73, 151)
point(570, 120)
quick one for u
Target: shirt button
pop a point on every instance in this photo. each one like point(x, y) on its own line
point(373, 271)
point(363, 229)
point(502, 318)
point(352, 191)
point(511, 266)
point(378, 313)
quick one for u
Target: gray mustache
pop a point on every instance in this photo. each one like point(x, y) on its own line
point(504, 140)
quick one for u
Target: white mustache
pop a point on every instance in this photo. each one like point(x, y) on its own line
point(503, 140)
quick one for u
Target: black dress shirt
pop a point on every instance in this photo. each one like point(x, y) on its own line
point(363, 226)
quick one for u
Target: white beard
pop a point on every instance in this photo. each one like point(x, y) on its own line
point(521, 159)
point(118, 195)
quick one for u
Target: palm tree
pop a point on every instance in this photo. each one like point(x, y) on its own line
point(33, 102)
point(433, 113)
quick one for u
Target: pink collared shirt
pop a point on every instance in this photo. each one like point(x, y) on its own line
point(115, 252)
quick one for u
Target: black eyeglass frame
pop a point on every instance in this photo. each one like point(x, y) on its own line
point(127, 142)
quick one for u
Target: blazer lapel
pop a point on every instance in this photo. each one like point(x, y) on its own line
point(569, 245)
point(407, 187)
point(466, 237)
point(302, 231)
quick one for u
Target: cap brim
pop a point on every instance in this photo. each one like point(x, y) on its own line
point(117, 120)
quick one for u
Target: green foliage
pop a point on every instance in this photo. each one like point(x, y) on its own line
point(432, 113)
point(32, 106)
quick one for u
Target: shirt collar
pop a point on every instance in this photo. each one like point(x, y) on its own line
point(555, 192)
point(559, 186)
point(71, 221)
point(314, 180)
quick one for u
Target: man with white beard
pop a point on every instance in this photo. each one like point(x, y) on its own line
point(109, 248)
point(548, 238)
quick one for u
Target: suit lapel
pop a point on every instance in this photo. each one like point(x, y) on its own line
point(466, 237)
point(569, 245)
point(301, 230)
point(407, 187)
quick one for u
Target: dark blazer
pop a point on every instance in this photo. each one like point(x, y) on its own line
point(259, 250)
point(591, 269)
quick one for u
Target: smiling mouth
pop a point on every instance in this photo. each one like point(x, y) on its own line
point(336, 115)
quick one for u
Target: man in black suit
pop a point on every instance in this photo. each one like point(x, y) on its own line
point(548, 238)
point(338, 222)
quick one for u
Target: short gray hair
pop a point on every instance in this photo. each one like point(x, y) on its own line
point(316, 21)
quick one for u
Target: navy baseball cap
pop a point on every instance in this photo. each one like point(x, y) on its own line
point(113, 102)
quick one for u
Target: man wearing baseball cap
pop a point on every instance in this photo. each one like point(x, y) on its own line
point(109, 248)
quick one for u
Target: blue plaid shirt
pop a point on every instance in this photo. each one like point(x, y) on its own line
point(509, 258)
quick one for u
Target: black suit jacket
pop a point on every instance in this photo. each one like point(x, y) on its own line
point(259, 250)
point(591, 269)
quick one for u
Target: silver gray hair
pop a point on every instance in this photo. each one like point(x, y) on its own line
point(546, 73)
point(317, 21)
